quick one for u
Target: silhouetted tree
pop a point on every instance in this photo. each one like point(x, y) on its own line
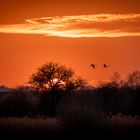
point(54, 77)
point(133, 79)
point(115, 79)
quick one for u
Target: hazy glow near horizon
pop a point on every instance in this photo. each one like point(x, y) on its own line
point(96, 25)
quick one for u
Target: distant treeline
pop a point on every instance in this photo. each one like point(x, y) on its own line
point(116, 96)
point(107, 99)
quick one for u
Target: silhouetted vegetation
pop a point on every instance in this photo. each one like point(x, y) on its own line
point(113, 107)
point(55, 78)
point(52, 80)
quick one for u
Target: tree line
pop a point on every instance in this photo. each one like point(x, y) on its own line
point(55, 93)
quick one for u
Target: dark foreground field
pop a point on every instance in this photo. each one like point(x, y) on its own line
point(116, 127)
point(106, 113)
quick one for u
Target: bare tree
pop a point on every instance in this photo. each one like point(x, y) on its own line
point(55, 77)
point(115, 79)
point(133, 79)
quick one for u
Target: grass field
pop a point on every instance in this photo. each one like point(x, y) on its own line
point(118, 126)
point(108, 112)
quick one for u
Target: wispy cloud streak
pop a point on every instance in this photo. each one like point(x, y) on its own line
point(99, 25)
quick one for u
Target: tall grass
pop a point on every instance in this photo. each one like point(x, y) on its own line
point(106, 112)
point(73, 124)
point(30, 126)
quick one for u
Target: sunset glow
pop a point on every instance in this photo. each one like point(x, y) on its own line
point(99, 25)
point(75, 33)
point(70, 68)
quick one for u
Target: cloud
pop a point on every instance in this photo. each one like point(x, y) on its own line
point(96, 25)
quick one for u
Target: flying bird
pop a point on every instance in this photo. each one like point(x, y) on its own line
point(93, 66)
point(105, 65)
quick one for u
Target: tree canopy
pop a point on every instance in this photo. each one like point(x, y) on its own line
point(55, 77)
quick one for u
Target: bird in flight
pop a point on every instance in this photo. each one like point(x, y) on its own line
point(105, 65)
point(93, 66)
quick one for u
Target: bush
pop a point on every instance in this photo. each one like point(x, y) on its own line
point(16, 104)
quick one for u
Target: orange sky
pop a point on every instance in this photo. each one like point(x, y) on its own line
point(75, 33)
